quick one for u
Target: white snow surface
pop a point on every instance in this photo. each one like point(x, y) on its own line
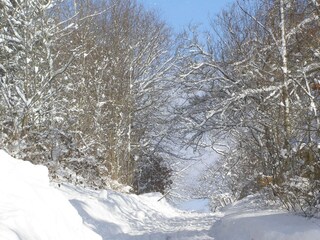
point(33, 209)
point(246, 220)
point(195, 205)
point(116, 216)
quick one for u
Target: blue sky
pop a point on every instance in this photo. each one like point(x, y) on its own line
point(179, 13)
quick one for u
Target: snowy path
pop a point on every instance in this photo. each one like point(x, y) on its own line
point(143, 217)
point(33, 209)
point(115, 216)
point(188, 226)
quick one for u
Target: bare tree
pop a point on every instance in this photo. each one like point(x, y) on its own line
point(117, 86)
point(253, 85)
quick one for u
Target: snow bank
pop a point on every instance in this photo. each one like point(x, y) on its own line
point(32, 210)
point(116, 215)
point(266, 226)
point(243, 221)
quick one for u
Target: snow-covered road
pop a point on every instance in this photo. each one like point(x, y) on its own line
point(120, 217)
point(116, 216)
point(33, 209)
point(188, 226)
point(128, 216)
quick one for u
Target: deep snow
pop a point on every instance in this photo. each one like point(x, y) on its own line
point(245, 220)
point(115, 216)
point(33, 209)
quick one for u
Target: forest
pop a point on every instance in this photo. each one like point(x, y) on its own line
point(104, 93)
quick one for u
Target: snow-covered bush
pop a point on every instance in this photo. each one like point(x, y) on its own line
point(300, 194)
point(152, 174)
